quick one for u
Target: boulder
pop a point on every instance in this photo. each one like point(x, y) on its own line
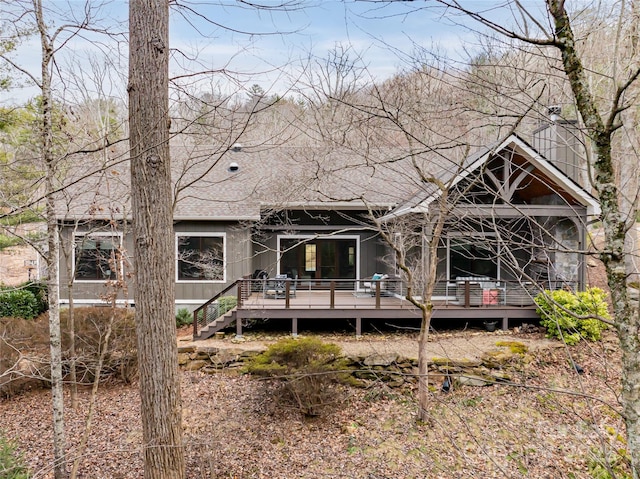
point(196, 365)
point(208, 350)
point(383, 360)
point(183, 358)
point(476, 381)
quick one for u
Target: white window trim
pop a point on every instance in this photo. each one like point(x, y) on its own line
point(321, 237)
point(224, 257)
point(103, 234)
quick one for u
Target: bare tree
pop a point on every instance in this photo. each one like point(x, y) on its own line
point(152, 224)
point(602, 98)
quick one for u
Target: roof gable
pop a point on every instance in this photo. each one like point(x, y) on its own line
point(529, 176)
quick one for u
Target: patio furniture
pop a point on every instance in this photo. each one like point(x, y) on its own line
point(370, 286)
point(276, 288)
point(521, 294)
point(483, 291)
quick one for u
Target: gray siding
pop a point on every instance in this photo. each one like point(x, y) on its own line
point(237, 264)
point(237, 259)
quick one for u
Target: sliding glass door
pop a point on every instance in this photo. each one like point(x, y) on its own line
point(319, 258)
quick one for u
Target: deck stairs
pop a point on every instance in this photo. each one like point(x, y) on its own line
point(206, 319)
point(218, 324)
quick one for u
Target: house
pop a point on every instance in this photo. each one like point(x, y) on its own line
point(513, 218)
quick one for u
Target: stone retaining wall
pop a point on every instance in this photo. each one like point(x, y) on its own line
point(395, 371)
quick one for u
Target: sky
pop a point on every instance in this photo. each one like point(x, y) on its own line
point(268, 46)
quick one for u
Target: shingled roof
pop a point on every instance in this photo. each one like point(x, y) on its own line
point(242, 181)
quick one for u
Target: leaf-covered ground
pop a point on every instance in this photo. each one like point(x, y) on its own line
point(551, 422)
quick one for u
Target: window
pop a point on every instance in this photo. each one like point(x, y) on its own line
point(473, 256)
point(200, 258)
point(310, 257)
point(96, 257)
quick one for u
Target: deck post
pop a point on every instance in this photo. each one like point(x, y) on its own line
point(467, 294)
point(287, 289)
point(358, 327)
point(238, 328)
point(332, 288)
point(505, 323)
point(195, 324)
point(377, 294)
point(294, 327)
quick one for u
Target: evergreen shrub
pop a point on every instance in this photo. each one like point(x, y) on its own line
point(18, 303)
point(12, 465)
point(183, 317)
point(571, 317)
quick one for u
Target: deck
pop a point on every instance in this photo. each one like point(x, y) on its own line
point(332, 303)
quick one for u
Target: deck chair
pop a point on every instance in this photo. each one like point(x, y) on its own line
point(370, 286)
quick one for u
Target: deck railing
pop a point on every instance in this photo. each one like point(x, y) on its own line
point(214, 308)
point(263, 294)
point(467, 292)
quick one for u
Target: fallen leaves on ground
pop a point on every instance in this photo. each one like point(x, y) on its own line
point(551, 422)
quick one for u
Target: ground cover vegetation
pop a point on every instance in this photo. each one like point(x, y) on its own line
point(238, 425)
point(308, 373)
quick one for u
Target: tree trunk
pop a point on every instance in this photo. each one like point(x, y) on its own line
point(423, 365)
point(614, 225)
point(53, 253)
point(152, 229)
point(73, 376)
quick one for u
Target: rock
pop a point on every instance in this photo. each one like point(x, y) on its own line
point(210, 370)
point(183, 358)
point(441, 361)
point(220, 335)
point(466, 363)
point(498, 358)
point(186, 349)
point(250, 353)
point(366, 375)
point(499, 375)
point(475, 381)
point(396, 382)
point(196, 365)
point(208, 350)
point(380, 359)
point(235, 364)
point(449, 369)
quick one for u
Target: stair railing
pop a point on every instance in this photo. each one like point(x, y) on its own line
point(200, 314)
